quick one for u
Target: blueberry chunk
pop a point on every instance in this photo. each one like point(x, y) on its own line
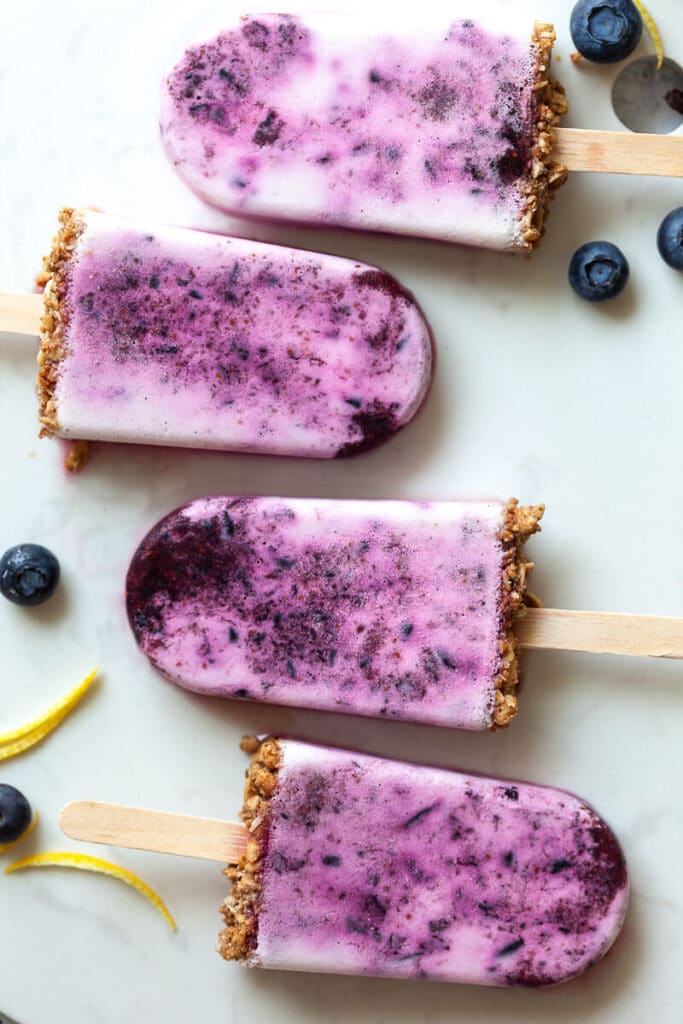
point(598, 271)
point(670, 239)
point(29, 574)
point(511, 947)
point(606, 31)
point(15, 814)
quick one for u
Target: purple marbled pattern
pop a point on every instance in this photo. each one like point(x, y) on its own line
point(424, 131)
point(387, 608)
point(187, 338)
point(378, 867)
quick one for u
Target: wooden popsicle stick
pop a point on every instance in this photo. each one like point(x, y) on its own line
point(643, 636)
point(619, 152)
point(158, 831)
point(20, 314)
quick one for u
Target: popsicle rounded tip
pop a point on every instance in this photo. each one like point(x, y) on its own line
point(603, 901)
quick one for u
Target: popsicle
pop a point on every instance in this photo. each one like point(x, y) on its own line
point(393, 608)
point(435, 126)
point(359, 865)
point(353, 864)
point(162, 335)
point(439, 129)
point(396, 609)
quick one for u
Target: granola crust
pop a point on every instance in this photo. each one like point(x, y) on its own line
point(546, 175)
point(237, 941)
point(77, 455)
point(519, 524)
point(54, 275)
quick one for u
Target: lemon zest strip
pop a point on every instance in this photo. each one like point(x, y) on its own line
point(4, 847)
point(49, 718)
point(653, 30)
point(30, 739)
point(84, 862)
point(64, 704)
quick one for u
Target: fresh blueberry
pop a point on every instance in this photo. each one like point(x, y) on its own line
point(598, 271)
point(606, 31)
point(670, 239)
point(29, 574)
point(15, 814)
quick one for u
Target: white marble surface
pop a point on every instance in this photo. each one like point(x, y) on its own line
point(536, 394)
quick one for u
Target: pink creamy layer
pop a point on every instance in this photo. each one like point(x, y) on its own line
point(387, 608)
point(377, 867)
point(188, 338)
point(423, 131)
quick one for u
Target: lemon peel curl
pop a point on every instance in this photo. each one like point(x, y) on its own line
point(84, 862)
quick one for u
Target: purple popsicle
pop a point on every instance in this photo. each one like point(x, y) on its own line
point(398, 609)
point(360, 865)
point(438, 126)
point(162, 335)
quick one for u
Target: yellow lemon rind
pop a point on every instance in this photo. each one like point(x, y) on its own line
point(48, 720)
point(84, 862)
point(30, 739)
point(651, 26)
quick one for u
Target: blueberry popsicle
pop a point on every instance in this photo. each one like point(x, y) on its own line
point(161, 335)
point(396, 609)
point(440, 129)
point(361, 865)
